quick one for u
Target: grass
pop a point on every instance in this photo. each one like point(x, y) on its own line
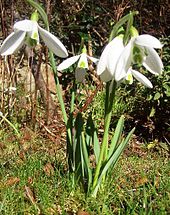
point(34, 180)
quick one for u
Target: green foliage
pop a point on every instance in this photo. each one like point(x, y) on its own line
point(159, 97)
point(84, 143)
point(141, 188)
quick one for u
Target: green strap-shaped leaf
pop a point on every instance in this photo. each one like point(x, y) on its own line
point(83, 163)
point(117, 135)
point(112, 161)
point(96, 146)
point(91, 137)
point(78, 131)
point(86, 160)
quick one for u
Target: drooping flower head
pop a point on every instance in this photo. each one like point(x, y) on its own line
point(119, 59)
point(82, 65)
point(29, 29)
point(140, 50)
point(106, 67)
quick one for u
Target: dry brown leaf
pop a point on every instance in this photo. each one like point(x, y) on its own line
point(2, 146)
point(141, 181)
point(22, 155)
point(157, 182)
point(11, 181)
point(82, 213)
point(30, 180)
point(30, 194)
point(48, 169)
point(31, 197)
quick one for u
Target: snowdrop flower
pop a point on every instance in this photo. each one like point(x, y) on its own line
point(106, 67)
point(139, 76)
point(30, 28)
point(82, 64)
point(139, 50)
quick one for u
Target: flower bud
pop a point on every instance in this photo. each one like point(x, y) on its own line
point(84, 50)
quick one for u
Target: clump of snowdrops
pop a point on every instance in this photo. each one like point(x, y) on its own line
point(119, 62)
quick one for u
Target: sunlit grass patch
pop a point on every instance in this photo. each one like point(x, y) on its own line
point(38, 182)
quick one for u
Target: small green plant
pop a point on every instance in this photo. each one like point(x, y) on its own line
point(10, 124)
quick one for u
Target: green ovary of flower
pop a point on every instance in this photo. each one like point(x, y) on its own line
point(34, 16)
point(84, 50)
point(134, 31)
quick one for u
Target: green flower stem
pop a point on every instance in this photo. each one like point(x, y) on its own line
point(107, 97)
point(60, 98)
point(72, 98)
point(104, 144)
point(107, 102)
point(59, 94)
point(120, 23)
point(128, 28)
point(41, 11)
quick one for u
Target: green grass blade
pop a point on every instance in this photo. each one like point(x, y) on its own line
point(112, 161)
point(10, 124)
point(117, 135)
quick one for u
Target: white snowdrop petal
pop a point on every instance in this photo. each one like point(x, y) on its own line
point(116, 48)
point(148, 40)
point(106, 76)
point(141, 78)
point(124, 61)
point(153, 62)
point(108, 59)
point(101, 66)
point(34, 32)
point(68, 62)
point(24, 25)
point(80, 74)
point(12, 43)
point(53, 43)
